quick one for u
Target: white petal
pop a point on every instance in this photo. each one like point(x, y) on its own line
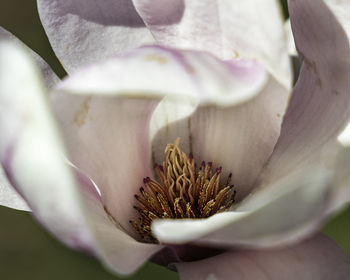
point(85, 31)
point(290, 39)
point(341, 183)
point(226, 28)
point(320, 105)
point(282, 213)
point(240, 138)
point(49, 76)
point(112, 245)
point(344, 136)
point(199, 77)
point(107, 122)
point(318, 110)
point(318, 258)
point(31, 153)
point(8, 196)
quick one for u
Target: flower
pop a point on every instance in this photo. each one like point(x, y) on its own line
point(118, 115)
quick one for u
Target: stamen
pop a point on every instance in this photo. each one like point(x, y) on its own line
point(184, 192)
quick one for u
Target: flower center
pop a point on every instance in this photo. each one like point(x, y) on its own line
point(184, 192)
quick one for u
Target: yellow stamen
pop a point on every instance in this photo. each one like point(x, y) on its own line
point(184, 192)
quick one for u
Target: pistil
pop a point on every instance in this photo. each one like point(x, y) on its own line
point(184, 191)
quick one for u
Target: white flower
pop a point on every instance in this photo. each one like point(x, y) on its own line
point(117, 116)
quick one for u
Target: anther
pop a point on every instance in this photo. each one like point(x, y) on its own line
point(184, 192)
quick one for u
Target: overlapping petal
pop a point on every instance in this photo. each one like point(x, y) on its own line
point(31, 152)
point(86, 31)
point(107, 123)
point(114, 114)
point(320, 105)
point(240, 138)
point(316, 259)
point(283, 213)
point(48, 74)
point(318, 110)
point(252, 29)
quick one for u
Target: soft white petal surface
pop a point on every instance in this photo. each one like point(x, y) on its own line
point(107, 123)
point(85, 31)
point(316, 259)
point(9, 196)
point(31, 153)
point(28, 142)
point(341, 182)
point(319, 109)
point(342, 167)
point(113, 246)
point(228, 29)
point(282, 213)
point(157, 71)
point(320, 106)
point(49, 76)
point(290, 38)
point(240, 138)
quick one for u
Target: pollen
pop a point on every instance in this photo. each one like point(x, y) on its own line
point(184, 191)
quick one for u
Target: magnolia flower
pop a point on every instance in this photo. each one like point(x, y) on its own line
point(228, 102)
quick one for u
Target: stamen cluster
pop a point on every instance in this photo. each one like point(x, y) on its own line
point(184, 192)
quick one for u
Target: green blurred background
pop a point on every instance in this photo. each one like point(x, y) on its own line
point(28, 251)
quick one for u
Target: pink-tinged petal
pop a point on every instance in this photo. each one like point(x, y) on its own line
point(282, 213)
point(85, 31)
point(320, 105)
point(107, 123)
point(31, 152)
point(108, 139)
point(342, 166)
point(200, 77)
point(8, 196)
point(113, 246)
point(318, 258)
point(341, 182)
point(28, 142)
point(251, 29)
point(314, 118)
point(240, 138)
point(49, 76)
